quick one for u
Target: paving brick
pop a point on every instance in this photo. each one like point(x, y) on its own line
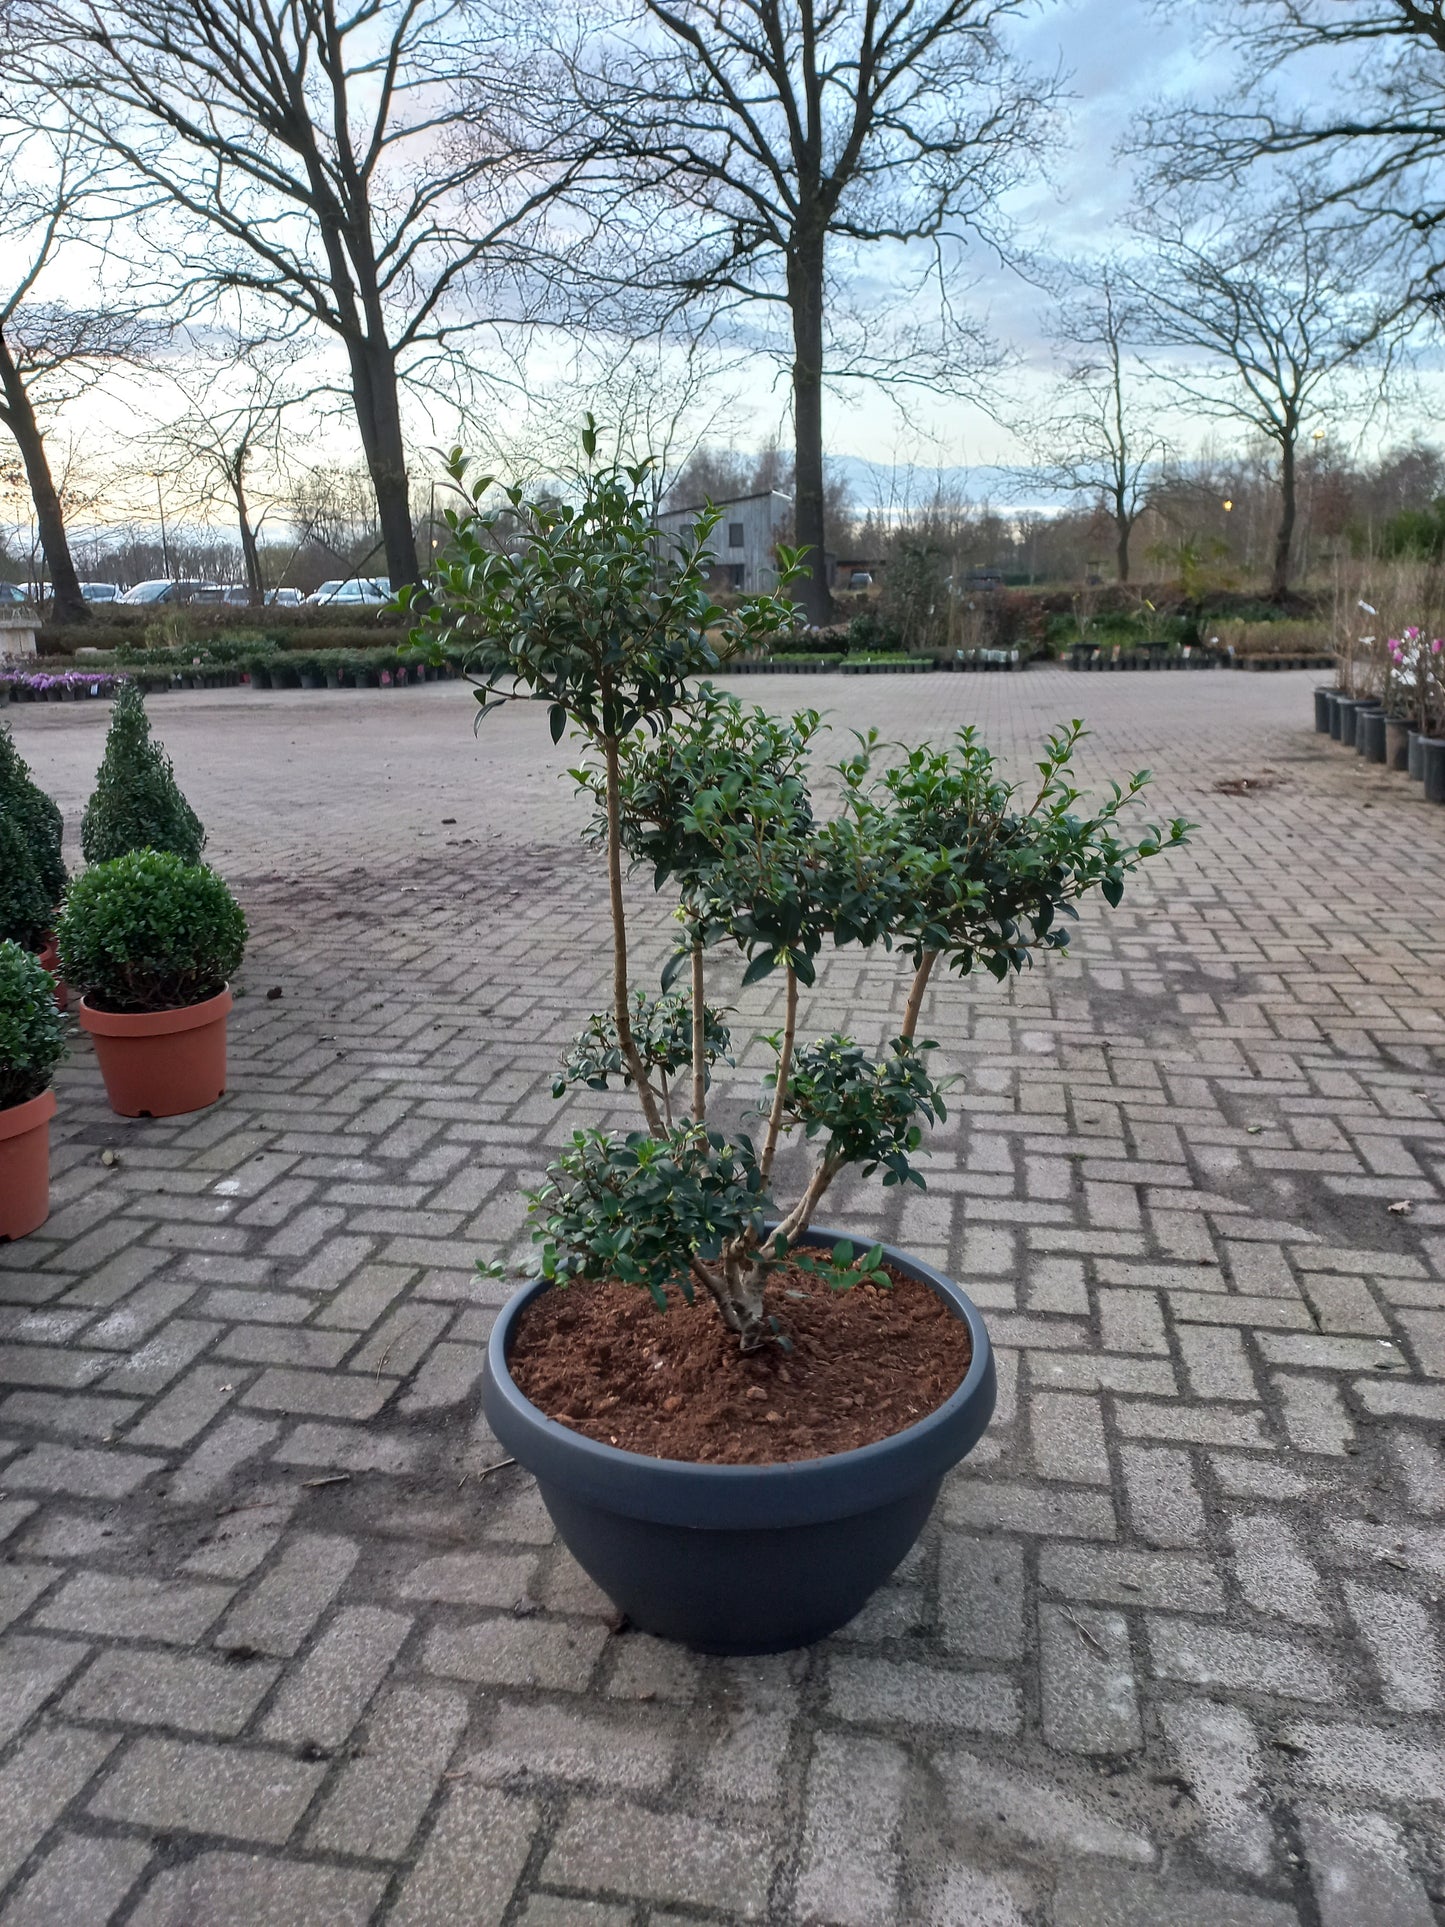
point(1131, 1578)
point(1360, 1867)
point(1218, 1755)
point(39, 1780)
point(320, 1703)
point(1400, 1634)
point(851, 1868)
point(115, 1607)
point(383, 1793)
point(88, 1473)
point(1164, 1504)
point(1015, 1806)
point(472, 1860)
point(884, 1692)
point(981, 1597)
point(1068, 1438)
point(625, 1849)
point(1216, 1362)
point(209, 1468)
point(320, 1394)
point(1273, 1574)
point(186, 1409)
point(1089, 1700)
point(1314, 1415)
point(471, 1578)
point(82, 1878)
point(33, 1669)
point(612, 1751)
point(289, 1599)
point(191, 1786)
point(1094, 1897)
point(1207, 1655)
point(1363, 1759)
point(1034, 1509)
point(184, 1690)
point(556, 1654)
point(243, 1887)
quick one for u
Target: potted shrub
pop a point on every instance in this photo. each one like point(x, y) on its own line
point(32, 870)
point(152, 941)
point(738, 1421)
point(137, 803)
point(32, 1043)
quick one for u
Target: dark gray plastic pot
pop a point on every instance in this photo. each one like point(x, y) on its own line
point(1432, 767)
point(1337, 703)
point(1397, 743)
point(1370, 735)
point(1322, 711)
point(1349, 708)
point(1414, 755)
point(742, 1558)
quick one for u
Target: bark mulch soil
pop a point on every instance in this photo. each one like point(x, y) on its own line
point(865, 1363)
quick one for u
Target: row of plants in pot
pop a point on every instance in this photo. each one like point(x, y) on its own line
point(739, 1421)
point(147, 935)
point(1400, 722)
point(341, 669)
point(1141, 655)
point(66, 685)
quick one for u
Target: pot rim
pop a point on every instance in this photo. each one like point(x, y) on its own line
point(720, 1497)
point(17, 1119)
point(154, 1023)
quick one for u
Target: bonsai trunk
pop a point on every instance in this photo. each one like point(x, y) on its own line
point(621, 1013)
point(18, 415)
point(805, 301)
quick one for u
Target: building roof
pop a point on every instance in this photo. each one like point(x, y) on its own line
point(729, 502)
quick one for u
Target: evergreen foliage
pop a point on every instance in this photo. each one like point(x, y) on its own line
point(36, 816)
point(32, 1038)
point(27, 909)
point(137, 804)
point(148, 931)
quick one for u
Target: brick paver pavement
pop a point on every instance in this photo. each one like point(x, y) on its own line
point(279, 1648)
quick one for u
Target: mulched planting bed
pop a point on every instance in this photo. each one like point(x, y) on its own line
point(865, 1363)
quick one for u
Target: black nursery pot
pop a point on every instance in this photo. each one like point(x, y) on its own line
point(1322, 711)
point(742, 1558)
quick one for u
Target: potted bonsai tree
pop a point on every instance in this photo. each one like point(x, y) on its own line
point(151, 942)
point(137, 803)
point(31, 1045)
point(738, 1420)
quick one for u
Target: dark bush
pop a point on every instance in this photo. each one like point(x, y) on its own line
point(137, 804)
point(36, 816)
point(27, 909)
point(148, 931)
point(32, 1037)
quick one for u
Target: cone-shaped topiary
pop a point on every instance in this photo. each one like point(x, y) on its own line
point(36, 817)
point(26, 907)
point(147, 931)
point(32, 1039)
point(137, 803)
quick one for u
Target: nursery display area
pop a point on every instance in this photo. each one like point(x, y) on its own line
point(290, 1633)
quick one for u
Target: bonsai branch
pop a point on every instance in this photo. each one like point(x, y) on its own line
point(915, 993)
point(780, 1088)
point(699, 1030)
point(620, 997)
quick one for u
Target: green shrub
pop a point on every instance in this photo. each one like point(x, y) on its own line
point(137, 804)
point(27, 908)
point(32, 1038)
point(36, 816)
point(148, 931)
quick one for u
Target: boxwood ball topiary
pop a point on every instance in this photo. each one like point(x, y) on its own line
point(137, 803)
point(27, 909)
point(38, 817)
point(32, 1035)
point(148, 931)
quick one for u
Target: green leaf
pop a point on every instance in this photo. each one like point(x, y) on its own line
point(557, 721)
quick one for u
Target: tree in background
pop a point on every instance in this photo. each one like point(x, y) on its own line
point(1098, 439)
point(52, 201)
point(319, 161)
point(1270, 314)
point(752, 150)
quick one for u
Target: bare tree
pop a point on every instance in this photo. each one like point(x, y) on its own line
point(1372, 134)
point(1274, 312)
point(753, 149)
point(50, 349)
point(317, 160)
point(235, 402)
point(1098, 440)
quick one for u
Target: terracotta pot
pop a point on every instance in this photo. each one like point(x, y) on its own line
point(50, 960)
point(25, 1165)
point(159, 1063)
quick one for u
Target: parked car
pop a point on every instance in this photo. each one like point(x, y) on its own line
point(100, 591)
point(860, 579)
point(356, 589)
point(285, 598)
point(12, 595)
point(164, 590)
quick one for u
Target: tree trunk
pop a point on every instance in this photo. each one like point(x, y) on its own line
point(378, 417)
point(250, 549)
point(805, 301)
point(1121, 547)
point(17, 414)
point(1284, 537)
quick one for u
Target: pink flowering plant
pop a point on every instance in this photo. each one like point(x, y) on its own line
point(1415, 679)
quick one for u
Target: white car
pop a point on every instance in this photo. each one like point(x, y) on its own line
point(356, 590)
point(100, 591)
